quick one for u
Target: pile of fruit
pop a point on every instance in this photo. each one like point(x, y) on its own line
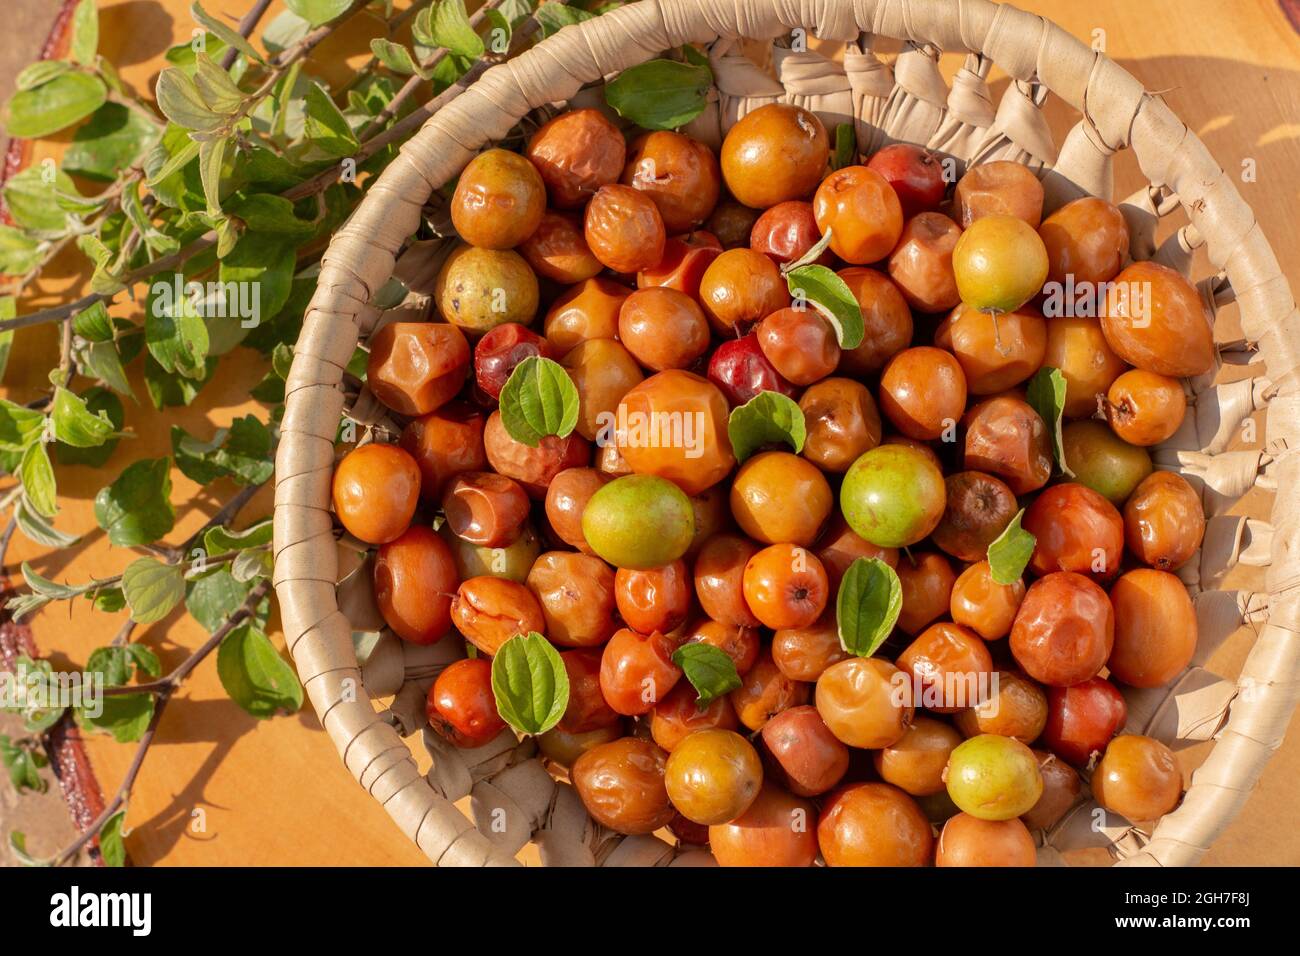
point(799, 507)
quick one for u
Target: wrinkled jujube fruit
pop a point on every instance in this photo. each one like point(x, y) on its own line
point(622, 785)
point(461, 707)
point(950, 667)
point(804, 653)
point(970, 841)
point(1075, 529)
point(576, 595)
point(566, 500)
point(979, 509)
point(739, 287)
point(1164, 521)
point(866, 702)
point(764, 692)
point(1000, 188)
point(800, 344)
point(602, 371)
point(485, 508)
point(534, 468)
point(810, 758)
point(1061, 789)
point(842, 423)
point(1064, 630)
point(678, 716)
point(863, 213)
point(576, 153)
point(886, 321)
point(663, 328)
point(445, 443)
point(587, 709)
point(679, 174)
point(499, 200)
point(558, 250)
point(623, 229)
point(997, 352)
point(1017, 709)
point(1087, 239)
point(415, 367)
point(786, 232)
point(488, 611)
point(1082, 719)
point(655, 600)
point(719, 573)
point(916, 761)
point(1007, 438)
point(921, 263)
point(1154, 318)
point(588, 310)
point(498, 352)
point(982, 604)
point(637, 671)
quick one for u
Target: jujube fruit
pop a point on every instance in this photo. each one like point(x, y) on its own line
point(861, 211)
point(774, 153)
point(416, 367)
point(498, 201)
point(1138, 778)
point(415, 578)
point(375, 490)
point(1155, 628)
point(576, 153)
point(1064, 630)
point(621, 784)
point(461, 707)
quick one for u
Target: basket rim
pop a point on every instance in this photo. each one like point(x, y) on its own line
point(1030, 48)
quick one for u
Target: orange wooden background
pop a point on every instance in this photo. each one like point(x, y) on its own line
point(275, 792)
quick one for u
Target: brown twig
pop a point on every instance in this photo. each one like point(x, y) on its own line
point(246, 27)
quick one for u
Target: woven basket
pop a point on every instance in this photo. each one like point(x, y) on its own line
point(1247, 572)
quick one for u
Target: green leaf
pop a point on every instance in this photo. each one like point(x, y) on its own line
point(181, 102)
point(846, 146)
point(867, 606)
point(284, 31)
point(317, 12)
point(19, 253)
point(118, 663)
point(215, 596)
point(228, 36)
point(125, 716)
point(1009, 552)
point(530, 684)
point(35, 694)
point(255, 675)
point(243, 452)
point(554, 17)
point(100, 403)
point(136, 508)
point(37, 476)
point(539, 399)
point(47, 588)
point(500, 30)
point(212, 164)
point(447, 25)
point(19, 426)
point(1046, 395)
point(37, 529)
point(94, 323)
point(266, 213)
point(42, 71)
point(262, 264)
point(710, 670)
point(102, 361)
point(326, 128)
point(767, 417)
point(76, 425)
point(8, 310)
point(115, 138)
point(174, 333)
point(152, 589)
point(250, 565)
point(395, 56)
point(24, 763)
point(32, 198)
point(821, 288)
point(215, 85)
point(109, 600)
point(18, 846)
point(660, 94)
point(54, 105)
point(167, 159)
point(222, 540)
point(111, 848)
point(85, 33)
point(167, 389)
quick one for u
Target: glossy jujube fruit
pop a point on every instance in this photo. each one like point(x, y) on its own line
point(740, 371)
point(558, 250)
point(719, 573)
point(993, 778)
point(1000, 264)
point(738, 642)
point(739, 287)
point(576, 153)
point(893, 496)
point(603, 371)
point(1064, 630)
point(916, 174)
point(925, 579)
point(982, 604)
point(485, 508)
point(663, 328)
point(1155, 628)
point(979, 508)
point(1007, 438)
point(786, 232)
point(532, 467)
point(623, 229)
point(678, 716)
point(732, 223)
point(809, 757)
point(866, 702)
point(657, 599)
point(1061, 789)
point(886, 321)
point(950, 667)
point(916, 761)
point(800, 344)
point(637, 671)
point(679, 174)
point(479, 289)
point(713, 776)
point(589, 310)
point(1000, 188)
point(622, 785)
point(785, 585)
point(576, 595)
point(765, 692)
point(566, 500)
point(1076, 346)
point(839, 546)
point(701, 458)
point(639, 521)
point(1154, 318)
point(804, 653)
point(1103, 461)
point(1083, 718)
point(780, 497)
point(1164, 521)
point(498, 201)
point(511, 562)
point(587, 709)
point(873, 824)
point(970, 841)
point(842, 423)
point(489, 611)
point(778, 829)
point(415, 367)
point(1145, 408)
point(1138, 778)
point(1075, 529)
point(1017, 709)
point(862, 211)
point(1087, 239)
point(445, 443)
point(921, 263)
point(461, 707)
point(923, 393)
point(565, 747)
point(774, 153)
point(375, 490)
point(415, 577)
point(997, 352)
point(682, 268)
point(498, 352)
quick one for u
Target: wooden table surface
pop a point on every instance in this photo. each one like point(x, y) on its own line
point(274, 792)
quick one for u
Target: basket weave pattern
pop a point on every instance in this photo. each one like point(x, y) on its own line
point(514, 799)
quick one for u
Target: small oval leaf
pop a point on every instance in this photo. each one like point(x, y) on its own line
point(709, 669)
point(767, 417)
point(1046, 395)
point(821, 288)
point(660, 94)
point(530, 684)
point(539, 399)
point(54, 105)
point(152, 589)
point(868, 605)
point(1009, 553)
